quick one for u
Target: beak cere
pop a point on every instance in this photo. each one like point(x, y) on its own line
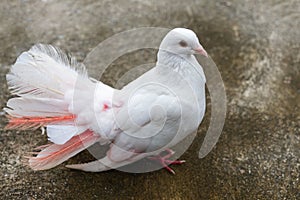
point(200, 50)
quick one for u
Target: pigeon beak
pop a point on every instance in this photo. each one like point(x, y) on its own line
point(200, 50)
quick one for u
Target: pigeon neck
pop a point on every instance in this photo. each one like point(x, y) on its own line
point(169, 59)
point(187, 65)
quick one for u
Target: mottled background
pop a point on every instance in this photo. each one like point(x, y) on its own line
point(256, 46)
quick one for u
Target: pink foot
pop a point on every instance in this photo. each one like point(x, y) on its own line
point(164, 160)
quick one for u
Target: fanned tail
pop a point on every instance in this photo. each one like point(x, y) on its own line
point(44, 71)
point(51, 89)
point(43, 80)
point(54, 154)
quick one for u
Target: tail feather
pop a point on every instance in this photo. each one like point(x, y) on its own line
point(60, 134)
point(24, 123)
point(35, 107)
point(54, 154)
point(42, 78)
point(53, 90)
point(44, 71)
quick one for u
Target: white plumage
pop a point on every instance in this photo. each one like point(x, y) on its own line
point(149, 115)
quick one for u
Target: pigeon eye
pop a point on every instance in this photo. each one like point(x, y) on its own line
point(183, 43)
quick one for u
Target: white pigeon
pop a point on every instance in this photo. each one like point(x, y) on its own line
point(146, 117)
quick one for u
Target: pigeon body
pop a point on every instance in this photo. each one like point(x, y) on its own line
point(149, 115)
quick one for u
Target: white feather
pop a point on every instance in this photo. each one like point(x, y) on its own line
point(49, 83)
point(41, 77)
point(44, 71)
point(36, 107)
point(61, 134)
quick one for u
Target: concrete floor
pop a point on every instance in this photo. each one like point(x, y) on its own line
point(256, 46)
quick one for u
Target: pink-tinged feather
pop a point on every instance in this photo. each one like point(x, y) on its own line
point(54, 154)
point(24, 123)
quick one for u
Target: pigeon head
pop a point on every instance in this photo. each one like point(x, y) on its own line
point(182, 41)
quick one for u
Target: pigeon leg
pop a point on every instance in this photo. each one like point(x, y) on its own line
point(165, 161)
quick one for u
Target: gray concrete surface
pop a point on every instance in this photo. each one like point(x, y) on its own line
point(256, 46)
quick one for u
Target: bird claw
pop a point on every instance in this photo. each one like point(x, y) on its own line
point(165, 162)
